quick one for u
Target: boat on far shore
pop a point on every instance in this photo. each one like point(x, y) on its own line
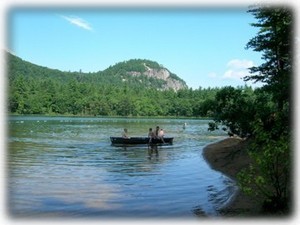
point(140, 141)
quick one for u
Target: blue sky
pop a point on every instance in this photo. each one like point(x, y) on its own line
point(203, 46)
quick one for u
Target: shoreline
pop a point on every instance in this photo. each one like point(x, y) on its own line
point(107, 116)
point(228, 157)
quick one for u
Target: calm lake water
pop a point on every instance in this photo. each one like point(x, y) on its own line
point(66, 167)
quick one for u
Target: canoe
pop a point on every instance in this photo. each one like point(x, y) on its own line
point(139, 140)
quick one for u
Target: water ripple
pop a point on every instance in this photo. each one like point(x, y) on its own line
point(66, 167)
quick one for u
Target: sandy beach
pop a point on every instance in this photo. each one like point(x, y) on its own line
point(228, 156)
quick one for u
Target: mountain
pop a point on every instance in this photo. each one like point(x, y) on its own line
point(135, 73)
point(146, 72)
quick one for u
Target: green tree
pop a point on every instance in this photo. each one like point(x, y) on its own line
point(271, 154)
point(234, 109)
point(274, 41)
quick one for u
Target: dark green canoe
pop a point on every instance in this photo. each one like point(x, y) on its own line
point(140, 140)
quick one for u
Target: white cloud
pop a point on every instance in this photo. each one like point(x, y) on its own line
point(235, 74)
point(237, 69)
point(240, 63)
point(78, 22)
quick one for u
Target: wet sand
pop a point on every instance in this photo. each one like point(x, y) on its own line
point(229, 157)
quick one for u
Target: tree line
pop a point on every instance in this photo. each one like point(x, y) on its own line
point(39, 95)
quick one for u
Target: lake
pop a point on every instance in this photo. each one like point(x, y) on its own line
point(66, 167)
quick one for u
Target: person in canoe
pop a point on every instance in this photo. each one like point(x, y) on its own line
point(151, 135)
point(159, 134)
point(156, 131)
point(152, 147)
point(125, 133)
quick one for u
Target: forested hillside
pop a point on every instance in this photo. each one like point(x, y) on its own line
point(135, 72)
point(129, 88)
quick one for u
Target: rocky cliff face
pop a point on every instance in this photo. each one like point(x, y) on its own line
point(161, 74)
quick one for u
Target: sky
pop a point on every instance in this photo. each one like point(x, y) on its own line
point(203, 46)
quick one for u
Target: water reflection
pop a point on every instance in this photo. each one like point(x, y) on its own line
point(152, 150)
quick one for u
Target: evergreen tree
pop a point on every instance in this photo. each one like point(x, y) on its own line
point(271, 151)
point(274, 41)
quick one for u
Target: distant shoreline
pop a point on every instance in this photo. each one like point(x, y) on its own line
point(100, 116)
point(228, 156)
